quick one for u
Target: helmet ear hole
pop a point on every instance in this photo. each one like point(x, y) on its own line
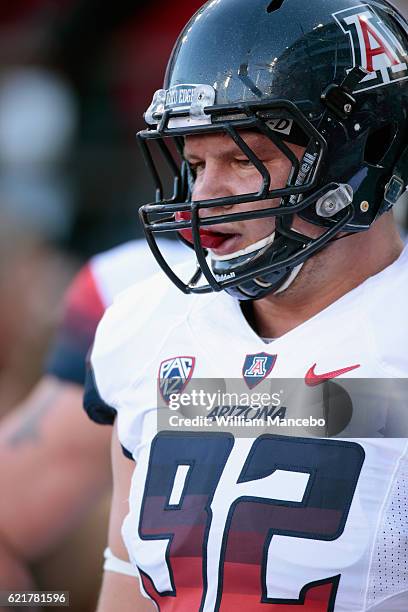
point(379, 143)
point(274, 5)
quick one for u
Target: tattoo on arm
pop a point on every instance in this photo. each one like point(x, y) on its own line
point(29, 426)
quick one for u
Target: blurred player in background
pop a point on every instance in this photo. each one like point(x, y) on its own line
point(57, 460)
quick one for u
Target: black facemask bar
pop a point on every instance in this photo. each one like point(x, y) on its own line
point(295, 197)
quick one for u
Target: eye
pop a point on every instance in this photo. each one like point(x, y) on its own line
point(244, 163)
point(197, 167)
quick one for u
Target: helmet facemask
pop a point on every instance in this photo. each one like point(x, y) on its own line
point(267, 265)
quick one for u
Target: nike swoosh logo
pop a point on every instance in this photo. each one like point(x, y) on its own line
point(312, 379)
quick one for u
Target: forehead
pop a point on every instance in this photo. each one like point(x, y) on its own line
point(222, 144)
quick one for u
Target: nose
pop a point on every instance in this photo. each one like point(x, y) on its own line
point(212, 183)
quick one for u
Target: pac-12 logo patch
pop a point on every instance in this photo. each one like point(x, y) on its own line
point(174, 374)
point(257, 367)
point(375, 47)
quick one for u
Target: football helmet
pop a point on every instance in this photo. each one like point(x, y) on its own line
point(330, 75)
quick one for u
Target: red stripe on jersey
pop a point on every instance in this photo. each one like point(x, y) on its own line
point(315, 597)
point(83, 296)
point(83, 309)
point(187, 574)
point(242, 591)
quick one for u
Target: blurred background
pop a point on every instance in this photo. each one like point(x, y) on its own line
point(75, 79)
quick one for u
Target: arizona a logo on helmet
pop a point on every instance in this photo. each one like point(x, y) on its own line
point(375, 47)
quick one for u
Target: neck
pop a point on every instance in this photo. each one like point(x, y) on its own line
point(341, 267)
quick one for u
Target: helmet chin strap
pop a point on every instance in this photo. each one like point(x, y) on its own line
point(247, 251)
point(256, 246)
point(238, 258)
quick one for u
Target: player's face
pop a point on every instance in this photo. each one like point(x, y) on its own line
point(222, 169)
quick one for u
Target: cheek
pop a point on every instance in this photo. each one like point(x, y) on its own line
point(308, 229)
point(280, 175)
point(249, 183)
point(258, 228)
point(252, 182)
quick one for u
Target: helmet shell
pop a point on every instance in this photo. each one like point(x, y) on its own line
point(251, 52)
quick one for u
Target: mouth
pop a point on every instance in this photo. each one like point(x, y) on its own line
point(221, 243)
point(216, 241)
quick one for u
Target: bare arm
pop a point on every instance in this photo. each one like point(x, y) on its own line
point(54, 466)
point(120, 592)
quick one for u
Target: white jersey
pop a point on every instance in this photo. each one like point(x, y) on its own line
point(219, 522)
